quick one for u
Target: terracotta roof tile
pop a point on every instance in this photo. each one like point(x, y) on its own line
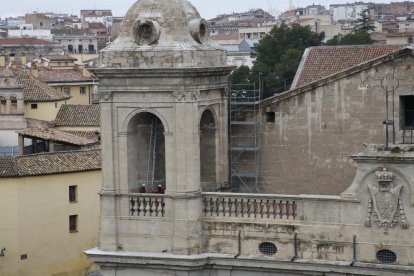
point(72, 32)
point(321, 62)
point(7, 166)
point(50, 134)
point(78, 115)
point(59, 58)
point(50, 163)
point(35, 90)
point(63, 75)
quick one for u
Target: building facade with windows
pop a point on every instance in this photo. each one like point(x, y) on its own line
point(52, 213)
point(322, 204)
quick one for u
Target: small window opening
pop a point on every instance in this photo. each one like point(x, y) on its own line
point(66, 90)
point(73, 193)
point(270, 117)
point(73, 223)
point(407, 112)
point(267, 248)
point(386, 256)
point(82, 90)
point(33, 106)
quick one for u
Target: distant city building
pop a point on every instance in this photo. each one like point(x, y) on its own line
point(76, 41)
point(29, 46)
point(40, 21)
point(230, 23)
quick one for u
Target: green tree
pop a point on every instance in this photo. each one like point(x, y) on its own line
point(364, 23)
point(241, 75)
point(360, 38)
point(279, 54)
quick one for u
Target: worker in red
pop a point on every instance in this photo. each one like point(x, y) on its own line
point(142, 189)
point(160, 190)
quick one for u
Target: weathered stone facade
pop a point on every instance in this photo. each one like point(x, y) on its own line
point(318, 126)
point(163, 87)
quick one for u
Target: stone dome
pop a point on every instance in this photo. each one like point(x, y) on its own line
point(163, 33)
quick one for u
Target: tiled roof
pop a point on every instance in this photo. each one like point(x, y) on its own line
point(72, 32)
point(78, 115)
point(225, 37)
point(7, 166)
point(59, 58)
point(321, 62)
point(96, 26)
point(35, 90)
point(25, 41)
point(85, 134)
point(63, 75)
point(50, 134)
point(50, 163)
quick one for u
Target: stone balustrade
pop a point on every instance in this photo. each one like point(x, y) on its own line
point(147, 205)
point(249, 206)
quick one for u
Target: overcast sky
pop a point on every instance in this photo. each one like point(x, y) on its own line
point(207, 8)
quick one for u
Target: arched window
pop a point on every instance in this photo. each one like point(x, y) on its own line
point(208, 152)
point(70, 49)
point(146, 153)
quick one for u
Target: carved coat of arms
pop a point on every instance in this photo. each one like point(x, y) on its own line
point(385, 202)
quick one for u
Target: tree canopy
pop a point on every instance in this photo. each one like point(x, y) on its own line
point(360, 38)
point(364, 23)
point(279, 54)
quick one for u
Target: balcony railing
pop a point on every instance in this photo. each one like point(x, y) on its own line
point(147, 205)
point(249, 206)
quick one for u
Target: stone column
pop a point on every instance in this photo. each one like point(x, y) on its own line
point(34, 146)
point(8, 106)
point(21, 145)
point(51, 146)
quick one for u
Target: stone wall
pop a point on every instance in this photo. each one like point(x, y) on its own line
point(306, 150)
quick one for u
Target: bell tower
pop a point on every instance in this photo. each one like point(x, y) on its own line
point(163, 87)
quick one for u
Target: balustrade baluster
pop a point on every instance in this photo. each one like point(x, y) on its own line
point(205, 206)
point(227, 207)
point(162, 207)
point(141, 205)
point(272, 209)
point(211, 207)
point(283, 209)
point(265, 208)
point(132, 206)
point(294, 208)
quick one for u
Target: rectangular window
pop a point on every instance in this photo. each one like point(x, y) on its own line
point(33, 106)
point(73, 223)
point(82, 90)
point(270, 117)
point(73, 193)
point(66, 90)
point(407, 112)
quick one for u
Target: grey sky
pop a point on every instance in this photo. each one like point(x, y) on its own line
point(207, 8)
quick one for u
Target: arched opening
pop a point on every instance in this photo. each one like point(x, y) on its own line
point(3, 104)
point(146, 154)
point(13, 101)
point(208, 152)
point(70, 49)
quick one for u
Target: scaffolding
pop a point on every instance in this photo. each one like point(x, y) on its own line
point(244, 129)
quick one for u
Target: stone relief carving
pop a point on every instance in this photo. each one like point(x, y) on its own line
point(106, 95)
point(196, 95)
point(385, 202)
point(179, 95)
